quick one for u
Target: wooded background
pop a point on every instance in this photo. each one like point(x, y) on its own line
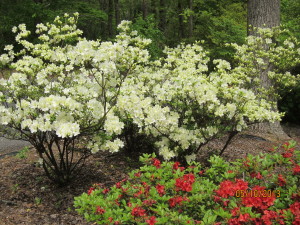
point(166, 22)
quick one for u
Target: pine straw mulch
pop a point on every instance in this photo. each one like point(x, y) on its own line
point(27, 196)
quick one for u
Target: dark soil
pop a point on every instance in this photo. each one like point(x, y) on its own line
point(28, 197)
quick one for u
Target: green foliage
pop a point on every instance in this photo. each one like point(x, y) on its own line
point(148, 28)
point(218, 23)
point(290, 16)
point(246, 191)
point(290, 105)
point(22, 154)
point(37, 201)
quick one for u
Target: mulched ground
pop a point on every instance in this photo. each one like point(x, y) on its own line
point(28, 197)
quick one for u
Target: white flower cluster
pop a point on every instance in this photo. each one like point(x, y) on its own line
point(66, 85)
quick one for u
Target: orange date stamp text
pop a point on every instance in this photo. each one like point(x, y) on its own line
point(257, 193)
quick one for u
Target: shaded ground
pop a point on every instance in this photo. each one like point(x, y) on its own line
point(8, 146)
point(27, 196)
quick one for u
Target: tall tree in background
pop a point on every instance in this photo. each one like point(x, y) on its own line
point(191, 22)
point(265, 14)
point(111, 29)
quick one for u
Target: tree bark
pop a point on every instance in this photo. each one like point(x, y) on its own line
point(110, 18)
point(145, 9)
point(191, 22)
point(104, 26)
point(117, 12)
point(162, 14)
point(265, 14)
point(180, 20)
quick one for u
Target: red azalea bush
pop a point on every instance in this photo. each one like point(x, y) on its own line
point(247, 191)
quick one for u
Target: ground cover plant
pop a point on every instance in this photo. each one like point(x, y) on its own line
point(246, 191)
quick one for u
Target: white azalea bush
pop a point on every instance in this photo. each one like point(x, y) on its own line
point(184, 106)
point(272, 52)
point(63, 92)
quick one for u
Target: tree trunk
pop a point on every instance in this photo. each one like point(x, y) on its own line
point(162, 14)
point(145, 9)
point(104, 26)
point(191, 22)
point(180, 20)
point(265, 14)
point(111, 18)
point(117, 12)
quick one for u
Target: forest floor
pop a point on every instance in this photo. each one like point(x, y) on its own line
point(28, 197)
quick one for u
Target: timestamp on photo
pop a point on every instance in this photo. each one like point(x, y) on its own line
point(257, 193)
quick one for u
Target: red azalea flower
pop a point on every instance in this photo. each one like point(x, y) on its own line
point(234, 221)
point(230, 171)
point(176, 200)
point(118, 185)
point(90, 190)
point(228, 188)
point(225, 203)
point(295, 209)
point(176, 166)
point(156, 162)
point(138, 211)
point(246, 162)
point(185, 183)
point(137, 194)
point(160, 189)
point(138, 174)
point(258, 202)
point(129, 204)
point(256, 175)
point(235, 211)
point(269, 216)
point(287, 154)
point(244, 217)
point(217, 199)
point(296, 169)
point(286, 145)
point(124, 190)
point(272, 149)
point(149, 202)
point(151, 221)
point(281, 180)
point(240, 185)
point(201, 172)
point(189, 177)
point(99, 210)
point(296, 197)
point(105, 191)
